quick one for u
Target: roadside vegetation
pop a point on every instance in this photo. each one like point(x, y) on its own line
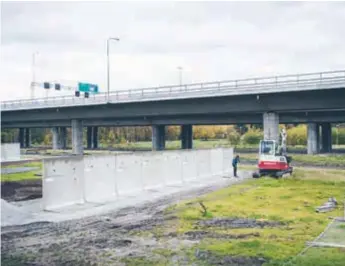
point(31, 175)
point(263, 221)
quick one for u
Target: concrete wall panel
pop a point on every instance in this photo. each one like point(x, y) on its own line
point(203, 161)
point(99, 178)
point(10, 152)
point(62, 182)
point(216, 161)
point(227, 160)
point(129, 173)
point(172, 167)
point(153, 167)
point(189, 166)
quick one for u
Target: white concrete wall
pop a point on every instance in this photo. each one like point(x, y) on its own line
point(101, 178)
point(63, 182)
point(10, 152)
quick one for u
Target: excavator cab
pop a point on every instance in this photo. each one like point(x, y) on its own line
point(272, 160)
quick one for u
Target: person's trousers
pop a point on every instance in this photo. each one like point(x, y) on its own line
point(235, 170)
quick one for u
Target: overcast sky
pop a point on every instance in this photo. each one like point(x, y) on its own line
point(210, 40)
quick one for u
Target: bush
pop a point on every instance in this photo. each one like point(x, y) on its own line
point(297, 135)
point(234, 138)
point(338, 136)
point(253, 136)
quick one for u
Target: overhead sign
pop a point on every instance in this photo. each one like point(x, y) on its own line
point(87, 87)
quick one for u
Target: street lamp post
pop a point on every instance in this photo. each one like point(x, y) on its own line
point(108, 66)
point(33, 75)
point(180, 74)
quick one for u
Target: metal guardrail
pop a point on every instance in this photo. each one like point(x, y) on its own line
point(310, 81)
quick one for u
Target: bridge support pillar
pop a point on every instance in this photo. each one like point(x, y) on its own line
point(77, 137)
point(326, 137)
point(24, 137)
point(313, 143)
point(59, 138)
point(187, 136)
point(158, 137)
point(271, 126)
point(27, 138)
point(92, 137)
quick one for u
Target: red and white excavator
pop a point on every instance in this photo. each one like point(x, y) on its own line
point(273, 160)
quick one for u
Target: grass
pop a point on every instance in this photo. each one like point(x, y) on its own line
point(291, 201)
point(22, 176)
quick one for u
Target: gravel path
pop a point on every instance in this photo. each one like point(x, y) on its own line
point(107, 239)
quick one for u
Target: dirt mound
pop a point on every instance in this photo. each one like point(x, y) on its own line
point(21, 190)
point(11, 214)
point(238, 223)
point(198, 235)
point(213, 259)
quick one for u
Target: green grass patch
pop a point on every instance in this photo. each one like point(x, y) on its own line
point(30, 164)
point(291, 201)
point(24, 175)
point(20, 176)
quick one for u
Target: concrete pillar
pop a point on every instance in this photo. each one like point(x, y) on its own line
point(326, 137)
point(21, 137)
point(92, 137)
point(62, 137)
point(59, 138)
point(95, 137)
point(187, 136)
point(271, 126)
point(55, 138)
point(158, 137)
point(89, 137)
point(77, 137)
point(27, 138)
point(313, 138)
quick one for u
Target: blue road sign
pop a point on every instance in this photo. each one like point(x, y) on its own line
point(87, 87)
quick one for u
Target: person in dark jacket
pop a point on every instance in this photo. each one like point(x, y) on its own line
point(235, 161)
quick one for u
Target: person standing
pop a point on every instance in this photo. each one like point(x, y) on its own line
point(235, 161)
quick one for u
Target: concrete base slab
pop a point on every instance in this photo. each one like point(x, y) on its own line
point(79, 211)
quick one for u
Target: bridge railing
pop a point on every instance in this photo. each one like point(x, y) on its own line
point(322, 80)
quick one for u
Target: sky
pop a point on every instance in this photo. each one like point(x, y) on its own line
point(211, 41)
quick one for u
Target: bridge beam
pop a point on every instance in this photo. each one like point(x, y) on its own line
point(158, 137)
point(326, 137)
point(271, 126)
point(59, 138)
point(187, 136)
point(77, 137)
point(313, 142)
point(92, 137)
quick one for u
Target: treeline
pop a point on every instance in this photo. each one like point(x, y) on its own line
point(235, 134)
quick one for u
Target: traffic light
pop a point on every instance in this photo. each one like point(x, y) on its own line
point(46, 85)
point(86, 95)
point(77, 93)
point(57, 86)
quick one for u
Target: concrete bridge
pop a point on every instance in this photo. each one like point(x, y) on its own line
point(317, 99)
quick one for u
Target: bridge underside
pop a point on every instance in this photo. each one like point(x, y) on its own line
point(311, 107)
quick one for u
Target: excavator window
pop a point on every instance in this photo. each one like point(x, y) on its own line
point(267, 147)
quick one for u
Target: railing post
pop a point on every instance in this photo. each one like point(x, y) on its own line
point(219, 86)
point(236, 83)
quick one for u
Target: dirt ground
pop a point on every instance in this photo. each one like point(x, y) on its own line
point(21, 190)
point(129, 236)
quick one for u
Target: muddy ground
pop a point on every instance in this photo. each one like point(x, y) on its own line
point(130, 236)
point(21, 190)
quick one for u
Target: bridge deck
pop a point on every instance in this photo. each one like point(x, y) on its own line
point(263, 85)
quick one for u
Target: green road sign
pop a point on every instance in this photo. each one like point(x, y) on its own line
point(87, 87)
